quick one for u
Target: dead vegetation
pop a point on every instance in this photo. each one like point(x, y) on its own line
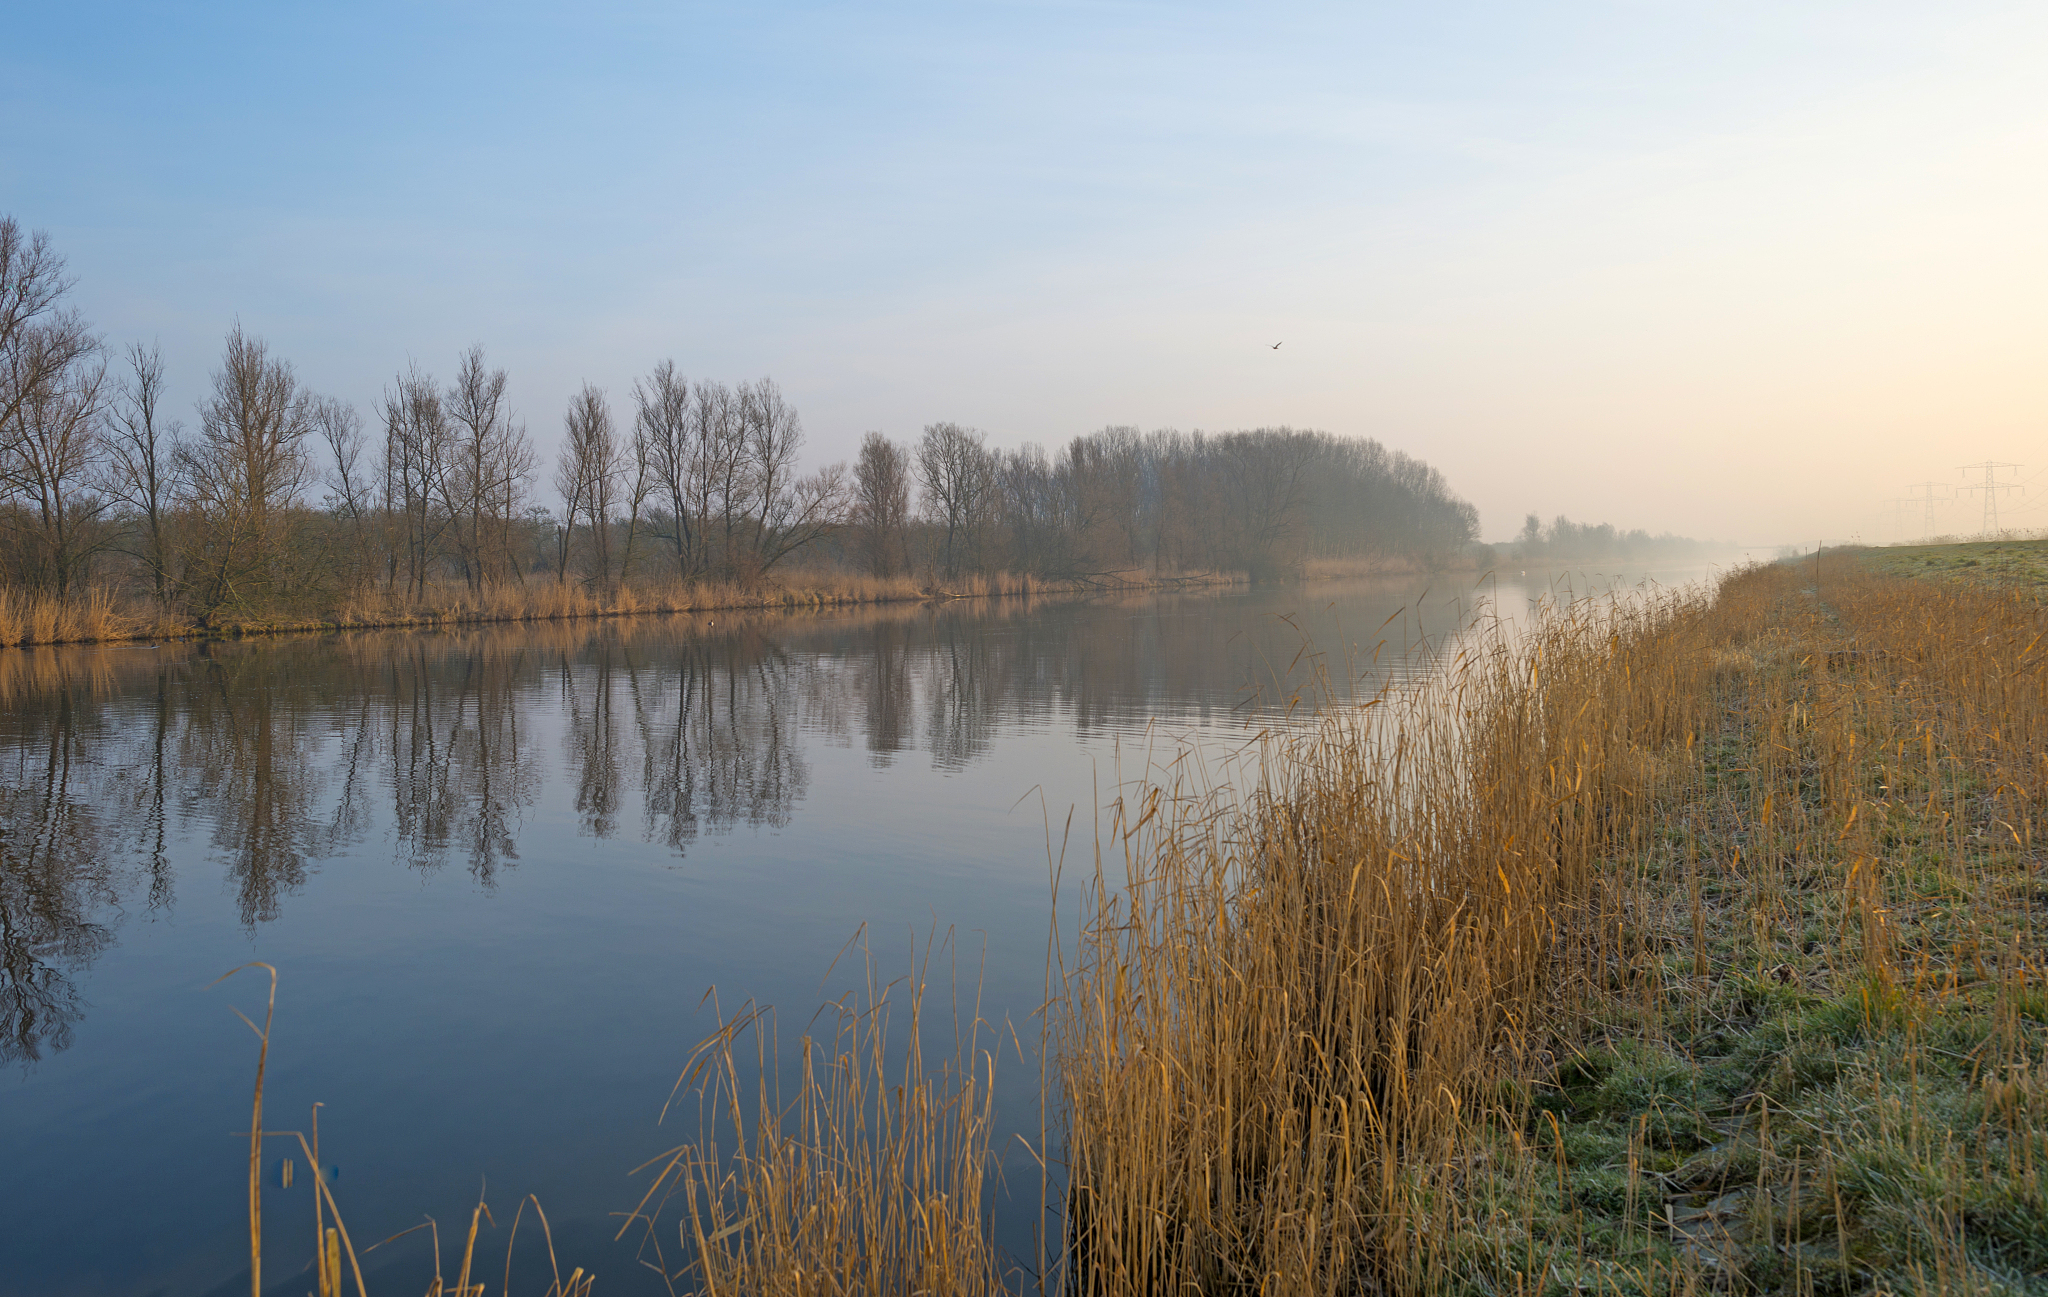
point(869, 1176)
point(97, 616)
point(1678, 946)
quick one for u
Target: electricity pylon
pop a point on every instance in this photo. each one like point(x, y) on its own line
point(1926, 500)
point(1991, 486)
point(1898, 506)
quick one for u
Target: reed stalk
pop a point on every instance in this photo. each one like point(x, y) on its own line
point(871, 1178)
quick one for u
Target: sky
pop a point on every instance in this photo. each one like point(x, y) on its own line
point(1734, 270)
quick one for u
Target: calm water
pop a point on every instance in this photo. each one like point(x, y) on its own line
point(498, 870)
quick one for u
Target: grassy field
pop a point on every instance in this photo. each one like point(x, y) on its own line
point(1996, 562)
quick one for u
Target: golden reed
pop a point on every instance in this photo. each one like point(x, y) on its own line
point(98, 616)
point(1682, 944)
point(1287, 1005)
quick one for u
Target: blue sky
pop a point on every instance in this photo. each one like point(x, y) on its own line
point(1664, 264)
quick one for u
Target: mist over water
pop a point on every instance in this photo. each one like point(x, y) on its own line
point(499, 868)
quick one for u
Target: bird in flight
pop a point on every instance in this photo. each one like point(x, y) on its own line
point(1276, 346)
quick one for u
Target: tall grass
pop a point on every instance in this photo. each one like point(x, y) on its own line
point(32, 617)
point(1682, 945)
point(1286, 1005)
point(869, 1179)
point(28, 617)
point(331, 1240)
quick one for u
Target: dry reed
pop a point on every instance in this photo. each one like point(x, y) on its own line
point(870, 1180)
point(1680, 945)
point(331, 1241)
point(1282, 1014)
point(31, 617)
point(97, 616)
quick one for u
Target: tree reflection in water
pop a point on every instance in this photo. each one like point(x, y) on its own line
point(717, 729)
point(56, 872)
point(119, 765)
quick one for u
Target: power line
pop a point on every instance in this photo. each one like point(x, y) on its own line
point(1990, 488)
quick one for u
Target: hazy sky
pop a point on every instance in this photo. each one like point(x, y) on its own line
point(1732, 269)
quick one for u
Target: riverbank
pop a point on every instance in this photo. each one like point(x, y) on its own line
point(1714, 963)
point(97, 617)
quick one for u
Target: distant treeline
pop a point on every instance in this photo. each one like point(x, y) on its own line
point(1565, 541)
point(1258, 502)
point(281, 498)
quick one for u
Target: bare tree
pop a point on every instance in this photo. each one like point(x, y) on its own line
point(51, 466)
point(774, 435)
point(351, 494)
point(51, 380)
point(664, 435)
point(881, 503)
point(637, 489)
point(246, 469)
point(727, 483)
point(1035, 504)
point(724, 463)
point(1268, 479)
point(953, 467)
point(587, 476)
point(40, 339)
point(492, 463)
point(418, 450)
point(142, 459)
point(572, 482)
point(802, 514)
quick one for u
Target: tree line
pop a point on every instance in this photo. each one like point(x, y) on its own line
point(1562, 540)
point(278, 496)
point(1258, 501)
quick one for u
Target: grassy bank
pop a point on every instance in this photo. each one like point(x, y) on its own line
point(1991, 562)
point(97, 616)
point(1817, 1063)
point(1693, 947)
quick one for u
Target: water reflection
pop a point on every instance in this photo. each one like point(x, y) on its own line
point(714, 721)
point(58, 876)
point(432, 749)
point(49, 890)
